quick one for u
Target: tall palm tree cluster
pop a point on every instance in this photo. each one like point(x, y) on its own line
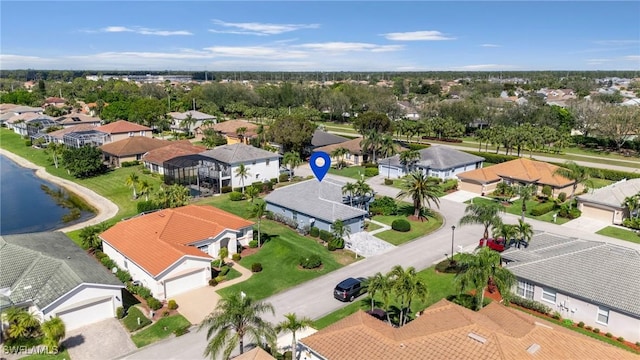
point(403, 285)
point(358, 193)
point(377, 144)
point(238, 318)
point(23, 324)
point(525, 136)
point(422, 190)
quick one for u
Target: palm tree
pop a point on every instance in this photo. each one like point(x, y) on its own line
point(253, 192)
point(632, 203)
point(243, 173)
point(525, 232)
point(387, 147)
point(409, 158)
point(526, 193)
point(293, 324)
point(22, 323)
point(291, 159)
point(421, 189)
point(406, 285)
point(340, 230)
point(377, 283)
point(363, 190)
point(480, 268)
point(144, 187)
point(187, 123)
point(258, 210)
point(54, 330)
point(240, 132)
point(371, 144)
point(339, 154)
point(486, 214)
point(132, 181)
point(506, 232)
point(578, 174)
point(234, 318)
point(90, 236)
point(56, 150)
point(349, 188)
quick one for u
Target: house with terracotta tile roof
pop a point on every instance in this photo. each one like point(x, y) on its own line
point(156, 159)
point(354, 155)
point(518, 171)
point(589, 281)
point(445, 330)
point(54, 101)
point(123, 129)
point(437, 161)
point(170, 250)
point(229, 129)
point(130, 149)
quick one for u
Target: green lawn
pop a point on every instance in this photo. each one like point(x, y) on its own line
point(354, 172)
point(516, 209)
point(131, 320)
point(63, 355)
point(371, 226)
point(621, 234)
point(418, 228)
point(440, 286)
point(160, 330)
point(241, 208)
point(598, 183)
point(232, 274)
point(279, 258)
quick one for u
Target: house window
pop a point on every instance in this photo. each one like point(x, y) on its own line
point(257, 176)
point(603, 315)
point(549, 295)
point(131, 133)
point(142, 133)
point(204, 248)
point(525, 290)
point(126, 264)
point(295, 216)
point(267, 162)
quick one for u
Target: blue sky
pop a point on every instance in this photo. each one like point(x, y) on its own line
point(320, 35)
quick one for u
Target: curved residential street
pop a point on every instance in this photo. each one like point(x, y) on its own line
point(314, 298)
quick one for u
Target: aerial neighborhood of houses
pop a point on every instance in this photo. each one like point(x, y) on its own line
point(532, 229)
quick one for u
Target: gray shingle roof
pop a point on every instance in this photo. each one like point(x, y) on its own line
point(41, 267)
point(197, 115)
point(614, 194)
point(598, 272)
point(323, 138)
point(239, 153)
point(321, 200)
point(438, 158)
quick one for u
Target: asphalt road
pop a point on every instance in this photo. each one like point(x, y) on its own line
point(314, 298)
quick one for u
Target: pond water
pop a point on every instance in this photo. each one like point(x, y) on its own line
point(25, 206)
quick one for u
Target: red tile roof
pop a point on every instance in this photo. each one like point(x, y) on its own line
point(122, 126)
point(177, 148)
point(134, 145)
point(157, 240)
point(449, 331)
point(529, 171)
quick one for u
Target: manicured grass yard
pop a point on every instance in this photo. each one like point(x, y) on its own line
point(372, 226)
point(131, 320)
point(241, 208)
point(621, 234)
point(354, 172)
point(516, 209)
point(157, 331)
point(440, 286)
point(418, 228)
point(598, 183)
point(279, 258)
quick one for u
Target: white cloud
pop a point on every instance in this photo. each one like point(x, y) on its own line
point(256, 52)
point(430, 35)
point(491, 45)
point(632, 57)
point(336, 47)
point(144, 31)
point(259, 29)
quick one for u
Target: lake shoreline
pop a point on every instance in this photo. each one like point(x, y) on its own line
point(105, 208)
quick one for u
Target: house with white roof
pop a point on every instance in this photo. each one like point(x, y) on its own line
point(198, 118)
point(606, 203)
point(438, 161)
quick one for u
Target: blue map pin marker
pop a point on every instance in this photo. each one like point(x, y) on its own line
point(320, 163)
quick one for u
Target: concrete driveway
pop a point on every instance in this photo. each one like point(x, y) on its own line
point(196, 304)
point(104, 340)
point(586, 224)
point(460, 196)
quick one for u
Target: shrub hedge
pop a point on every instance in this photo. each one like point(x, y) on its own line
point(370, 172)
point(172, 305)
point(542, 208)
point(325, 235)
point(314, 231)
point(256, 267)
point(384, 206)
point(401, 225)
point(493, 158)
point(153, 303)
point(236, 257)
point(253, 244)
point(236, 196)
point(529, 304)
point(335, 243)
point(310, 262)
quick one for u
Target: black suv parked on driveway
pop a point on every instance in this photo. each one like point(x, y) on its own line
point(349, 289)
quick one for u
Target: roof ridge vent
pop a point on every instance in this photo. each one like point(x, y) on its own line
point(477, 337)
point(533, 348)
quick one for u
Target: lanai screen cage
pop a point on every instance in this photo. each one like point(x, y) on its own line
point(78, 139)
point(201, 174)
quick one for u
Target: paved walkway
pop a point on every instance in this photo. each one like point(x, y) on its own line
point(383, 227)
point(196, 304)
point(106, 209)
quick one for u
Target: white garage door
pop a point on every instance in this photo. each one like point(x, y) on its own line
point(185, 283)
point(597, 213)
point(87, 313)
